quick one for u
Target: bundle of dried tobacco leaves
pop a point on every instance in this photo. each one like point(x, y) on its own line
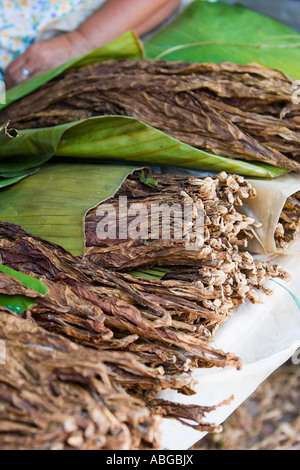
point(168, 331)
point(168, 324)
point(56, 395)
point(211, 226)
point(276, 209)
point(221, 273)
point(244, 112)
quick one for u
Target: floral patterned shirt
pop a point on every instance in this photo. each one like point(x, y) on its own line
point(21, 21)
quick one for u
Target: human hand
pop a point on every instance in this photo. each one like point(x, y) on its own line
point(43, 56)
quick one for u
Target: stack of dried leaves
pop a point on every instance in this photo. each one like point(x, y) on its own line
point(288, 228)
point(211, 225)
point(134, 337)
point(57, 395)
point(107, 310)
point(221, 272)
point(244, 112)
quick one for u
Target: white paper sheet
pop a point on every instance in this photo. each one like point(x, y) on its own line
point(264, 336)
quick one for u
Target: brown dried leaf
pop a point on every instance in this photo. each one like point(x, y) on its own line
point(238, 111)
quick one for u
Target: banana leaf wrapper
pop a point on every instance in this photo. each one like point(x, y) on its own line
point(105, 138)
point(276, 210)
point(252, 38)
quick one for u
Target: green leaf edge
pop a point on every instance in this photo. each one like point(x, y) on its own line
point(28, 282)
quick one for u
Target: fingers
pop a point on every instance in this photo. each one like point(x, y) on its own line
point(29, 61)
point(42, 56)
point(14, 78)
point(13, 74)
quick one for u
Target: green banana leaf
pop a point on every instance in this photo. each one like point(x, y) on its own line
point(16, 303)
point(217, 32)
point(116, 138)
point(15, 175)
point(154, 273)
point(15, 179)
point(22, 153)
point(52, 203)
point(21, 303)
point(27, 281)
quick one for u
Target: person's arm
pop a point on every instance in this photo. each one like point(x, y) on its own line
point(114, 18)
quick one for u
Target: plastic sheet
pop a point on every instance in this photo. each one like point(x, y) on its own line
point(266, 209)
point(265, 336)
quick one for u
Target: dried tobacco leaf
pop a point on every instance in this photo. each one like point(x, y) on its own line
point(143, 335)
point(237, 111)
point(219, 276)
point(211, 201)
point(288, 228)
point(108, 310)
point(56, 395)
